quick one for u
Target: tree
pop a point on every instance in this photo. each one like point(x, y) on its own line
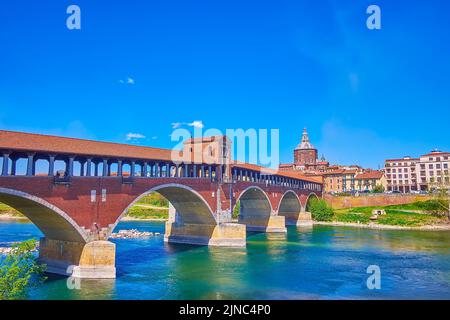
point(320, 210)
point(378, 189)
point(439, 188)
point(19, 271)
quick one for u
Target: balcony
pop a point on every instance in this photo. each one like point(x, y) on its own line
point(127, 180)
point(64, 180)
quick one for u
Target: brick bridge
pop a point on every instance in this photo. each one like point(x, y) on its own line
point(76, 191)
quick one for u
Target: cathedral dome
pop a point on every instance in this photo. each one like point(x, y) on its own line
point(305, 144)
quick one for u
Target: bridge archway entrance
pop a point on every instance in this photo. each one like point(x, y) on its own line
point(255, 211)
point(193, 221)
point(290, 207)
point(311, 197)
point(53, 222)
point(66, 249)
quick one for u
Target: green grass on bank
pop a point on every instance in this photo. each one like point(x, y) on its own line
point(430, 206)
point(5, 209)
point(148, 213)
point(152, 206)
point(392, 217)
point(429, 213)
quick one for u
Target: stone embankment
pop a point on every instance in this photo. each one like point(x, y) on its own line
point(133, 234)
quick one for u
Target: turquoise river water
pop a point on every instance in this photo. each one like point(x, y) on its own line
point(323, 262)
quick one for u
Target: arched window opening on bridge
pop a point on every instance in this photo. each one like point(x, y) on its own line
point(114, 169)
point(101, 169)
point(77, 169)
point(137, 169)
point(18, 166)
point(60, 167)
point(41, 167)
point(126, 169)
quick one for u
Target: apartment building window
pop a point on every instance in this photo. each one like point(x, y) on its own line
point(438, 159)
point(438, 166)
point(399, 169)
point(430, 166)
point(422, 166)
point(431, 159)
point(406, 176)
point(445, 165)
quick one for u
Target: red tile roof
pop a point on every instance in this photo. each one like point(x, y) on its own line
point(436, 153)
point(370, 175)
point(21, 141)
point(402, 159)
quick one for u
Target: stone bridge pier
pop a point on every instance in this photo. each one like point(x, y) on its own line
point(66, 248)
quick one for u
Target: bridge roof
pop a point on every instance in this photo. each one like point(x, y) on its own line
point(21, 141)
point(265, 170)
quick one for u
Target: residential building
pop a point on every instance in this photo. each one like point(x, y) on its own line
point(340, 180)
point(367, 181)
point(401, 174)
point(410, 174)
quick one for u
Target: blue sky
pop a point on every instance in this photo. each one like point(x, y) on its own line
point(363, 95)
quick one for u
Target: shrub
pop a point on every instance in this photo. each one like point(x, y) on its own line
point(19, 271)
point(320, 210)
point(378, 189)
point(236, 210)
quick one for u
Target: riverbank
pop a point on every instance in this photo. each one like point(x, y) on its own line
point(431, 227)
point(12, 217)
point(439, 227)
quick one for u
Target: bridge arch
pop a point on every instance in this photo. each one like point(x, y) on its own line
point(54, 223)
point(254, 201)
point(290, 205)
point(190, 205)
point(256, 211)
point(311, 196)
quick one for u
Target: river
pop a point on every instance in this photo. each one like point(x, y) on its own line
point(323, 262)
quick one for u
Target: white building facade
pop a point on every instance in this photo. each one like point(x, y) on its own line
point(418, 174)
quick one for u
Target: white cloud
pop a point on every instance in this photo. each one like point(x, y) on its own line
point(196, 124)
point(128, 80)
point(132, 136)
point(154, 137)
